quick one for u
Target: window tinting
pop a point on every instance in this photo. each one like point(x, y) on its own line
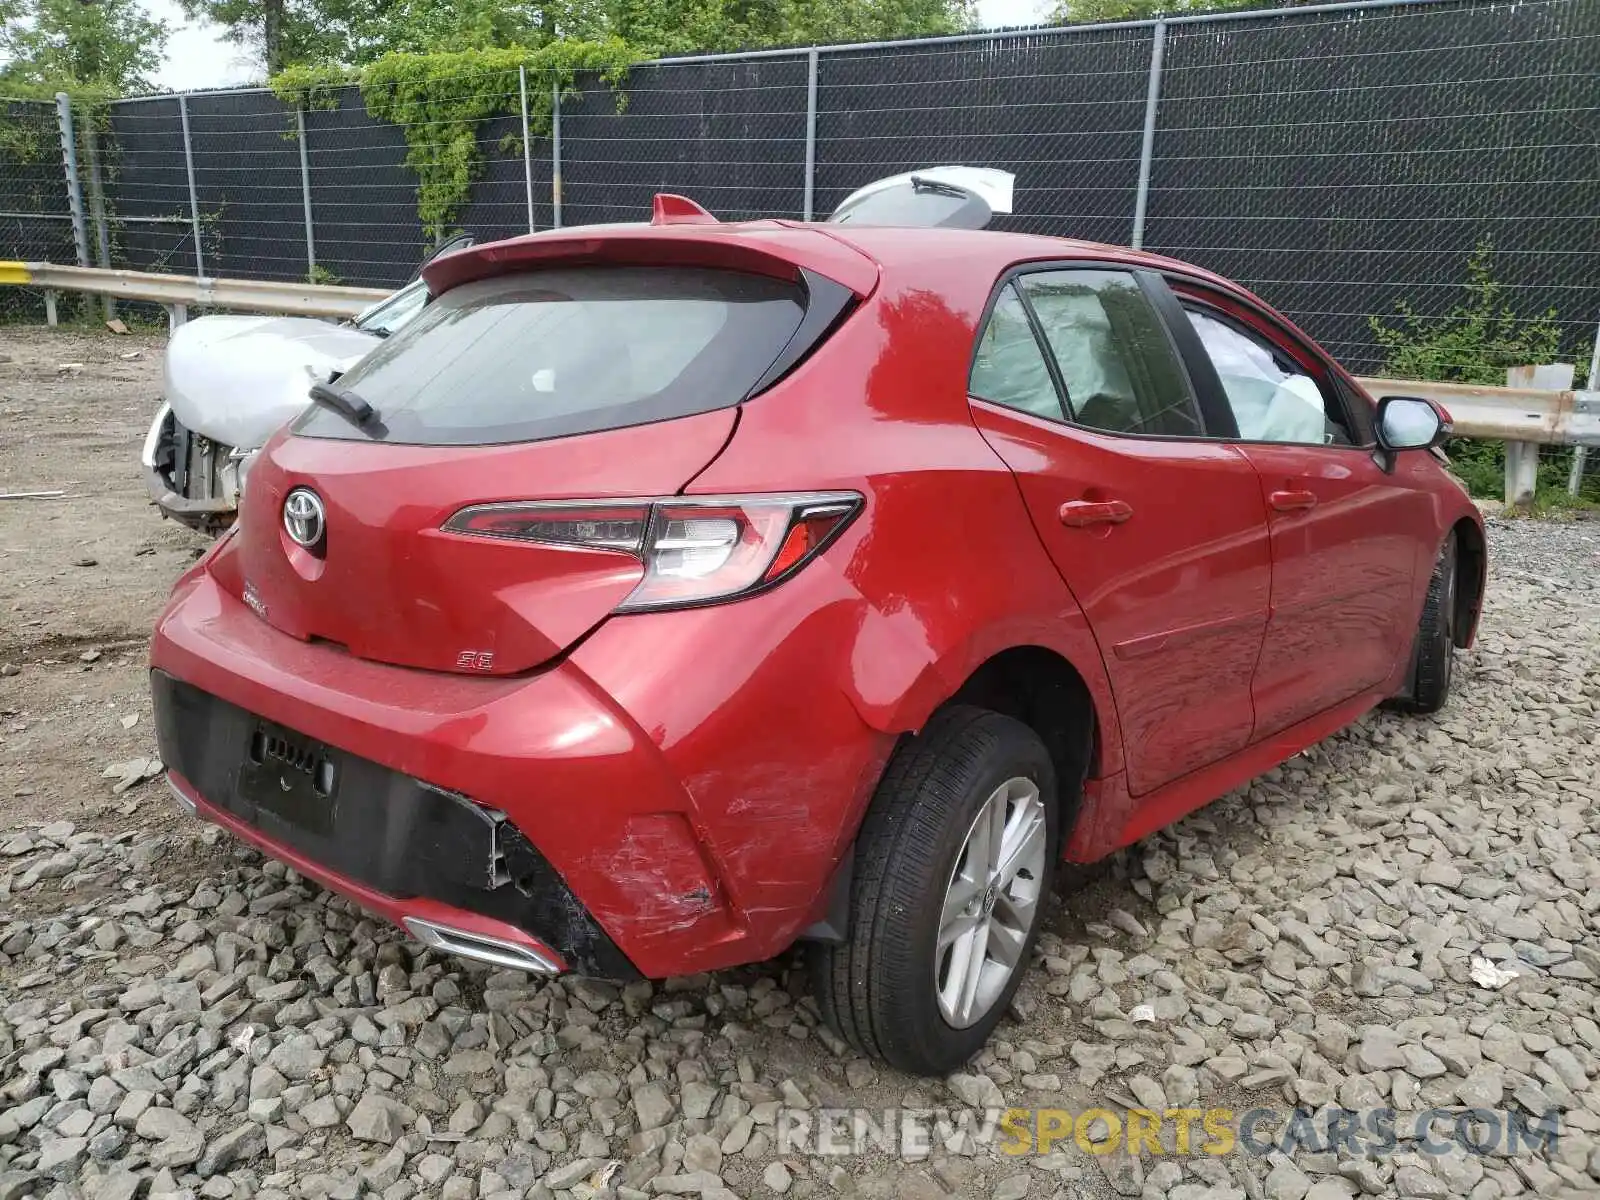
point(1272, 398)
point(548, 353)
point(1120, 370)
point(1009, 367)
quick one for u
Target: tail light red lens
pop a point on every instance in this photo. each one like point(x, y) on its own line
point(695, 549)
point(559, 523)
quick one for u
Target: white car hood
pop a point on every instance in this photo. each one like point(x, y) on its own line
point(236, 379)
point(993, 186)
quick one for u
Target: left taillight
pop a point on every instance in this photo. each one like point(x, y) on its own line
point(695, 549)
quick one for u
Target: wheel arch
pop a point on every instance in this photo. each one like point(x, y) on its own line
point(1043, 689)
point(1472, 568)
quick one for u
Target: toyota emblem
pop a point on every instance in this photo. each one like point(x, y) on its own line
point(304, 519)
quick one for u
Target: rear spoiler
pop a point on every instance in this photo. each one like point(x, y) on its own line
point(782, 249)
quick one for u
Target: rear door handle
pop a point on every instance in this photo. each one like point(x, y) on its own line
point(1079, 513)
point(1292, 501)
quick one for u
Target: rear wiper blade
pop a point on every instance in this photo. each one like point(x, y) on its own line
point(344, 402)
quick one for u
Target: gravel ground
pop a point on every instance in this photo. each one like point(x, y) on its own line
point(179, 1017)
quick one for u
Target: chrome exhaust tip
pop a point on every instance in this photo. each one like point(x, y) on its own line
point(181, 802)
point(480, 947)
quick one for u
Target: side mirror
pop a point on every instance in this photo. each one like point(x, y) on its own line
point(1409, 423)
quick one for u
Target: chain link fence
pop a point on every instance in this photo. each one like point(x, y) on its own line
point(1337, 160)
point(35, 216)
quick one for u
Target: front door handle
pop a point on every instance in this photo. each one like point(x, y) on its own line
point(1078, 513)
point(1293, 501)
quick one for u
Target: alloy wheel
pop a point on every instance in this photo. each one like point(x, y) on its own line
point(991, 902)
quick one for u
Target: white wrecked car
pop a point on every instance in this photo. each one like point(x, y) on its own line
point(231, 381)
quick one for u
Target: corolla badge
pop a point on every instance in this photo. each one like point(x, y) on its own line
point(304, 518)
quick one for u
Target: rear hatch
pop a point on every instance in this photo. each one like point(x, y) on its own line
point(570, 382)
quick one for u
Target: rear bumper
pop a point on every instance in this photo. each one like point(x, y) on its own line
point(691, 813)
point(443, 926)
point(422, 857)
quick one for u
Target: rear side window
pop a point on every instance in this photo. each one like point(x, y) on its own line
point(1009, 367)
point(1120, 370)
point(551, 353)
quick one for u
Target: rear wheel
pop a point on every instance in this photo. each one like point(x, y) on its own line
point(953, 867)
point(1433, 656)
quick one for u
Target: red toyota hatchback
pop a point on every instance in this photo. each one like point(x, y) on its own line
point(665, 595)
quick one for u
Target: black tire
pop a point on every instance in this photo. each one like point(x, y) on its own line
point(1433, 654)
point(877, 988)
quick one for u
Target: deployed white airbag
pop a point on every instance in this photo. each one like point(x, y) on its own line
point(1269, 403)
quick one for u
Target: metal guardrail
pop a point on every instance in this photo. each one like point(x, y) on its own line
point(1511, 414)
point(178, 292)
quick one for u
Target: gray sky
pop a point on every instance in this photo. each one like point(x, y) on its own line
point(198, 58)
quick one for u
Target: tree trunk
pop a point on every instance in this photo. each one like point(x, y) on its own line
point(272, 34)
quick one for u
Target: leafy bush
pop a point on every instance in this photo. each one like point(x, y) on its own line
point(1477, 341)
point(441, 99)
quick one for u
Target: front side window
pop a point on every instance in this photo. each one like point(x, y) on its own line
point(1009, 368)
point(1272, 397)
point(1119, 368)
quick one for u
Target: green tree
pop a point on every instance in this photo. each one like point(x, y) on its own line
point(687, 26)
point(106, 46)
point(281, 31)
point(357, 32)
point(1081, 11)
point(369, 29)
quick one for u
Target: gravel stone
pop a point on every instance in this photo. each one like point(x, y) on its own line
point(180, 1017)
point(159, 1124)
point(376, 1118)
point(247, 1142)
point(652, 1106)
point(1286, 1182)
point(60, 1157)
point(977, 1091)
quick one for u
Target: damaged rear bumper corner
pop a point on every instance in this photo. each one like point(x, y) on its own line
point(448, 928)
point(460, 876)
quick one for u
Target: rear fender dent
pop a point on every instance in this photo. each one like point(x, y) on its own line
point(898, 681)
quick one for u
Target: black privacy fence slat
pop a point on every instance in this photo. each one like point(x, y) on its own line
point(499, 204)
point(147, 188)
point(1337, 162)
point(363, 195)
point(247, 181)
point(1064, 114)
point(729, 134)
point(35, 214)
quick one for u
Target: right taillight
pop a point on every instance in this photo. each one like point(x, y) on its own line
point(695, 549)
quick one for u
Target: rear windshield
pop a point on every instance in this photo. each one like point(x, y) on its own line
point(550, 353)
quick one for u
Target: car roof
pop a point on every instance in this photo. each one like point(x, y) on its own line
point(899, 250)
point(996, 250)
